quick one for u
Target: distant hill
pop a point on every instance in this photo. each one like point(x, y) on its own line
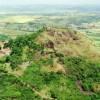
point(43, 9)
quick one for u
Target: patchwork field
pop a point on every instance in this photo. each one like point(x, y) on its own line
point(17, 19)
point(13, 26)
point(13, 33)
point(94, 36)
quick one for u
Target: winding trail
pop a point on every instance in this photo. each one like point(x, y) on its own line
point(78, 83)
point(44, 97)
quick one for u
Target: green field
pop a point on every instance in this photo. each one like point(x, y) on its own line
point(94, 36)
point(13, 33)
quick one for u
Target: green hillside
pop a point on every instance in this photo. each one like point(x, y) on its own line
point(50, 64)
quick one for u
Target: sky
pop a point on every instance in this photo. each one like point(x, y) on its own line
point(50, 2)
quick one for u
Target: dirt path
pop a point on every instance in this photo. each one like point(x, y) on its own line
point(36, 92)
point(41, 95)
point(44, 97)
point(78, 83)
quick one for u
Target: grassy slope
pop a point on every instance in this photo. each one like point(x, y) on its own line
point(69, 43)
point(56, 74)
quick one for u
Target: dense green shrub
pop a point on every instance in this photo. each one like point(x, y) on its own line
point(87, 85)
point(82, 68)
point(13, 88)
point(49, 77)
point(17, 46)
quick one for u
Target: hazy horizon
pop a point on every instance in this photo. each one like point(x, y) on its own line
point(48, 2)
point(48, 6)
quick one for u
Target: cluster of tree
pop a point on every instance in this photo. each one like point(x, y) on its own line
point(18, 45)
point(83, 70)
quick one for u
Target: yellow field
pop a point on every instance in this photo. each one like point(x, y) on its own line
point(13, 33)
point(19, 19)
